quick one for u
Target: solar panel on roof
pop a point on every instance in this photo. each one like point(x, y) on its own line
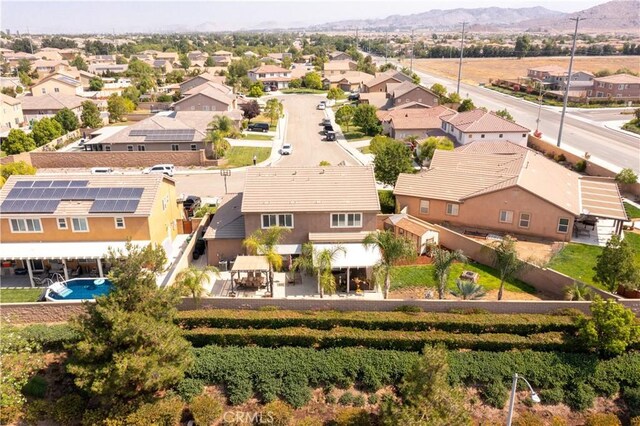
point(69, 193)
point(136, 193)
point(60, 183)
point(78, 183)
point(37, 193)
point(42, 184)
point(138, 132)
point(23, 184)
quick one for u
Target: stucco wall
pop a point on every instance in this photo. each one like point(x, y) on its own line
point(417, 95)
point(223, 249)
point(115, 159)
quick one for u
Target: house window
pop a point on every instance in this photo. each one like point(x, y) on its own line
point(563, 225)
point(141, 148)
point(453, 209)
point(119, 221)
point(424, 206)
point(194, 147)
point(26, 225)
point(62, 223)
point(175, 147)
point(56, 89)
point(621, 87)
point(346, 220)
point(481, 136)
point(284, 220)
point(525, 220)
point(506, 216)
point(129, 147)
point(524, 134)
point(79, 224)
point(205, 107)
point(44, 91)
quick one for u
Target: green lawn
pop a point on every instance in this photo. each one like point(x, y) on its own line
point(256, 137)
point(354, 134)
point(632, 126)
point(240, 156)
point(302, 90)
point(264, 119)
point(365, 150)
point(632, 211)
point(422, 276)
point(19, 295)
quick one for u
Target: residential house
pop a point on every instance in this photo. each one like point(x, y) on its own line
point(69, 54)
point(407, 92)
point(279, 57)
point(102, 59)
point(300, 70)
point(162, 65)
point(38, 107)
point(477, 125)
point(101, 69)
point(49, 53)
point(221, 61)
point(549, 75)
point(421, 122)
point(223, 53)
point(271, 75)
point(197, 55)
point(12, 116)
point(314, 203)
point(249, 54)
point(338, 67)
point(501, 187)
point(172, 57)
point(68, 224)
point(350, 81)
point(623, 86)
point(57, 83)
point(207, 97)
point(379, 83)
point(44, 67)
point(175, 131)
point(580, 80)
point(200, 79)
point(339, 56)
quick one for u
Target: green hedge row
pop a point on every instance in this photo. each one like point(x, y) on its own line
point(522, 324)
point(290, 373)
point(375, 339)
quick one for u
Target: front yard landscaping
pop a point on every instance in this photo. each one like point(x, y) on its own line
point(240, 156)
point(20, 295)
point(256, 136)
point(354, 134)
point(264, 119)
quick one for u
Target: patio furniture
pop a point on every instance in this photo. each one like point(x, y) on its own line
point(93, 273)
point(38, 282)
point(21, 271)
point(77, 272)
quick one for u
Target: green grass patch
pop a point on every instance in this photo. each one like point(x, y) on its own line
point(302, 91)
point(632, 211)
point(632, 126)
point(355, 133)
point(20, 295)
point(365, 149)
point(256, 137)
point(422, 276)
point(264, 119)
point(240, 156)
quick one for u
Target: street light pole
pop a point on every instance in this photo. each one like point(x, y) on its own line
point(461, 56)
point(224, 173)
point(566, 89)
point(514, 385)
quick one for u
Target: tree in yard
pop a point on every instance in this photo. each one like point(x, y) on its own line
point(46, 130)
point(468, 290)
point(24, 66)
point(428, 147)
point(505, 260)
point(391, 160)
point(256, 90)
point(312, 80)
point(185, 62)
point(131, 93)
point(466, 105)
point(578, 291)
point(393, 249)
point(365, 117)
point(442, 261)
point(426, 397)
point(79, 63)
point(319, 263)
point(439, 90)
point(96, 84)
point(118, 107)
point(209, 62)
point(67, 119)
point(263, 242)
point(173, 77)
point(627, 176)
point(121, 60)
point(18, 141)
point(250, 110)
point(523, 45)
point(366, 65)
point(25, 80)
point(454, 98)
point(344, 115)
point(191, 281)
point(129, 346)
point(379, 141)
point(9, 91)
point(610, 330)
point(274, 110)
point(335, 93)
point(217, 144)
point(615, 264)
point(505, 114)
point(90, 115)
point(386, 67)
point(15, 168)
point(414, 77)
point(636, 113)
point(295, 83)
point(223, 124)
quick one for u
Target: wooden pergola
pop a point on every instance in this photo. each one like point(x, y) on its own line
point(255, 267)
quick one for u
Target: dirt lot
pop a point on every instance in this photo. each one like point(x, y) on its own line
point(480, 70)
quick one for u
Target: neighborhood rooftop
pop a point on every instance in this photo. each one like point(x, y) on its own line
point(479, 120)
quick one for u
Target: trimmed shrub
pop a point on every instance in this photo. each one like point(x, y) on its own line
point(166, 412)
point(631, 397)
point(359, 401)
point(552, 396)
point(495, 394)
point(581, 166)
point(346, 399)
point(36, 411)
point(187, 389)
point(353, 417)
point(602, 419)
point(373, 399)
point(36, 387)
point(528, 419)
point(580, 397)
point(238, 384)
point(50, 337)
point(295, 389)
point(205, 409)
point(68, 410)
point(330, 399)
point(277, 413)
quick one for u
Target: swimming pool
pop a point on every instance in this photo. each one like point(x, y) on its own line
point(81, 289)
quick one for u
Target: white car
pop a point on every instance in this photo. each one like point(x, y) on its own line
point(321, 105)
point(167, 169)
point(286, 149)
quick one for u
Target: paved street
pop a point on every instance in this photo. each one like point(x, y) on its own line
point(584, 132)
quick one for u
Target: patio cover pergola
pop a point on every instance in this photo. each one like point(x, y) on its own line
point(251, 264)
point(355, 255)
point(600, 197)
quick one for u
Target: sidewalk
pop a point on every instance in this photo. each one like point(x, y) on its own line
point(344, 144)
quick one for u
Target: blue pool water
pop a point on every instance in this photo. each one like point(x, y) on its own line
point(84, 288)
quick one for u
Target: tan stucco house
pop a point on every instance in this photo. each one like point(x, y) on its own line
point(57, 83)
point(12, 116)
point(480, 125)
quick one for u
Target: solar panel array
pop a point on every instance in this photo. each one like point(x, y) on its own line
point(170, 135)
point(44, 196)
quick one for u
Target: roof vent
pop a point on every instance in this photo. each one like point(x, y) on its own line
point(322, 171)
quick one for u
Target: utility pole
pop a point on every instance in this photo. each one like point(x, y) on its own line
point(411, 66)
point(386, 47)
point(357, 44)
point(30, 43)
point(461, 56)
point(566, 88)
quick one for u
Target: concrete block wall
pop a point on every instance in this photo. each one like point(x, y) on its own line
point(53, 160)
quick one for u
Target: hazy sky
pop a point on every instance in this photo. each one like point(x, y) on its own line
point(139, 16)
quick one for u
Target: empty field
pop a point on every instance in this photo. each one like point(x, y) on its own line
point(480, 70)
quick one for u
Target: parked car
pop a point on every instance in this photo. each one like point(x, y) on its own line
point(321, 105)
point(354, 97)
point(326, 122)
point(167, 169)
point(286, 149)
point(101, 170)
point(258, 127)
point(330, 136)
point(266, 88)
point(328, 128)
point(192, 203)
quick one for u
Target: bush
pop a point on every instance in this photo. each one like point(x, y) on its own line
point(330, 399)
point(359, 401)
point(187, 389)
point(495, 394)
point(602, 419)
point(353, 417)
point(631, 397)
point(411, 309)
point(627, 176)
point(559, 158)
point(295, 389)
point(581, 166)
point(166, 412)
point(50, 337)
point(373, 399)
point(36, 387)
point(68, 410)
point(205, 410)
point(552, 396)
point(580, 397)
point(309, 421)
point(36, 411)
point(346, 399)
point(528, 419)
point(278, 413)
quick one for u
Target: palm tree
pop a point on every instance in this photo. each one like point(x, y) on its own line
point(223, 124)
point(442, 261)
point(393, 249)
point(263, 242)
point(190, 281)
point(506, 261)
point(320, 263)
point(219, 145)
point(578, 291)
point(468, 290)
